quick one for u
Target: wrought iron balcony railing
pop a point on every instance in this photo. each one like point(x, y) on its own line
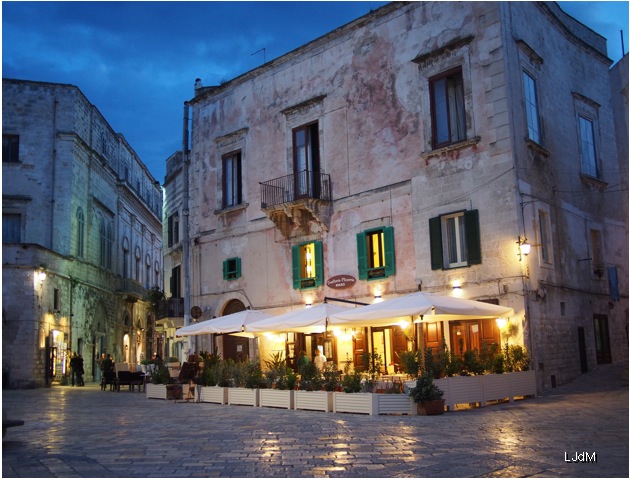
point(294, 187)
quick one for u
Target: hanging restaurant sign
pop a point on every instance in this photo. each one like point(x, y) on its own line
point(340, 282)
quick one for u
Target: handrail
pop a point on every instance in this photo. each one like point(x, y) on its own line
point(287, 189)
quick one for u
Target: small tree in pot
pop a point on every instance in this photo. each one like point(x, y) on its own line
point(427, 395)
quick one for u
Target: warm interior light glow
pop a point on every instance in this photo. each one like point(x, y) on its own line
point(457, 284)
point(501, 322)
point(403, 324)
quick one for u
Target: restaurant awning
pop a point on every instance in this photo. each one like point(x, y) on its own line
point(427, 305)
point(226, 324)
point(305, 320)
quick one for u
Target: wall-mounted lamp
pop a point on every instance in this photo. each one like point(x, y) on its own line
point(501, 323)
point(41, 275)
point(523, 247)
point(308, 305)
point(457, 285)
point(377, 298)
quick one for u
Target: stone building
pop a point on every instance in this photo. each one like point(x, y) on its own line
point(424, 146)
point(81, 237)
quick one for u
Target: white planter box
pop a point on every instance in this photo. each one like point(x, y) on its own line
point(320, 401)
point(243, 396)
point(153, 390)
point(483, 388)
point(366, 403)
point(395, 404)
point(270, 397)
point(522, 384)
point(214, 394)
point(495, 387)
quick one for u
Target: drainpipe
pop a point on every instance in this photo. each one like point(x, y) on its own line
point(185, 214)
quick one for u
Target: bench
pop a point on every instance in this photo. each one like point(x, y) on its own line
point(130, 378)
point(6, 423)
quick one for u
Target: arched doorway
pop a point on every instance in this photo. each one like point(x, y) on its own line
point(236, 348)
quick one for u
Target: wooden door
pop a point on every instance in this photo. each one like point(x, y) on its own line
point(399, 345)
point(236, 348)
point(433, 335)
point(359, 346)
point(294, 345)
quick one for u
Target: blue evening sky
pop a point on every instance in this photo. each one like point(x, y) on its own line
point(137, 61)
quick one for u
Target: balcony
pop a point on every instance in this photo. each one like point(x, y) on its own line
point(297, 202)
point(131, 290)
point(171, 308)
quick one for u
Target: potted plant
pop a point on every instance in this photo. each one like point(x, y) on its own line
point(247, 380)
point(332, 378)
point(213, 384)
point(427, 395)
point(278, 379)
point(410, 363)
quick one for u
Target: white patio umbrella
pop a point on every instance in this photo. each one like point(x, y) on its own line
point(225, 324)
point(429, 305)
point(305, 320)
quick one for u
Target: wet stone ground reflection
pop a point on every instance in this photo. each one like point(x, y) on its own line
point(84, 432)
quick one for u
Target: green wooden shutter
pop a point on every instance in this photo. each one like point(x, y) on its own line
point(295, 260)
point(319, 264)
point(390, 255)
point(238, 267)
point(362, 255)
point(435, 240)
point(225, 269)
point(473, 237)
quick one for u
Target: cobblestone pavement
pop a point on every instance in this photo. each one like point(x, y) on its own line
point(84, 432)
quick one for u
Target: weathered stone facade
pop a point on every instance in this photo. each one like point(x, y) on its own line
point(80, 206)
point(367, 95)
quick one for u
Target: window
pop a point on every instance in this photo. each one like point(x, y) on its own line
point(306, 160)
point(544, 240)
point(587, 147)
point(10, 148)
point(531, 108)
point(231, 268)
point(448, 116)
point(375, 251)
point(80, 232)
point(597, 255)
point(176, 282)
point(102, 230)
point(232, 183)
point(56, 300)
point(11, 228)
point(173, 229)
point(455, 240)
point(308, 265)
point(137, 265)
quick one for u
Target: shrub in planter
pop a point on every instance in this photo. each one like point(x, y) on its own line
point(436, 362)
point(161, 375)
point(332, 378)
point(410, 363)
point(351, 382)
point(312, 379)
point(427, 395)
point(516, 358)
point(253, 374)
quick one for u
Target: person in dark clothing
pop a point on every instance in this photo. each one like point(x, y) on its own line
point(80, 371)
point(73, 367)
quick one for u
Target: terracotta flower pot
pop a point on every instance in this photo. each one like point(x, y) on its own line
point(431, 407)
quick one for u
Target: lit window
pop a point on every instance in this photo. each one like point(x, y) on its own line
point(455, 240)
point(376, 256)
point(307, 260)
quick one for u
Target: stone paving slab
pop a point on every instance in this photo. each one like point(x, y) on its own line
point(85, 432)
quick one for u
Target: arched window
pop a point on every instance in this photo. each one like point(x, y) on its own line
point(137, 265)
point(110, 244)
point(147, 269)
point(125, 247)
point(102, 230)
point(80, 232)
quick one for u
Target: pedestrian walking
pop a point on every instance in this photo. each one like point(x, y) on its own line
point(73, 367)
point(80, 371)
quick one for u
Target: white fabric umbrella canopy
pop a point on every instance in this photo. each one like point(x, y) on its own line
point(305, 320)
point(226, 324)
point(432, 306)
